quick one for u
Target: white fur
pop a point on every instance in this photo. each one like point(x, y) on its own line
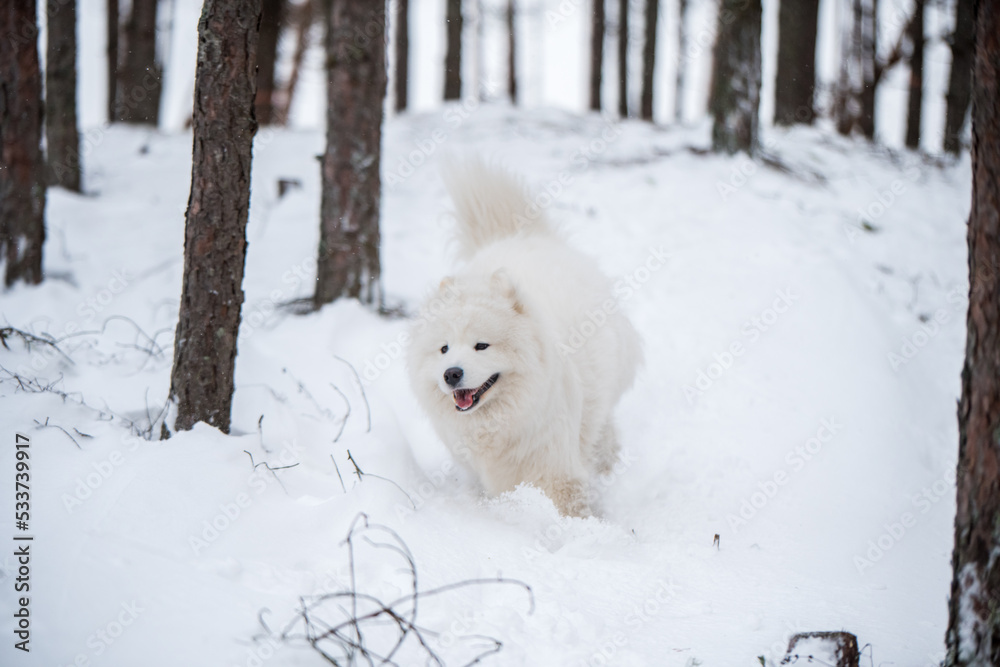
point(548, 418)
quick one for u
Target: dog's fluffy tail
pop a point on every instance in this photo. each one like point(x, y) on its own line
point(491, 204)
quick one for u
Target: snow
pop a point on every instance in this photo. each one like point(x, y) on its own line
point(803, 341)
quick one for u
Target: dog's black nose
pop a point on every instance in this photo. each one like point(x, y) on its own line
point(453, 376)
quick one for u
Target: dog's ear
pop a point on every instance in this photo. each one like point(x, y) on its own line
point(502, 284)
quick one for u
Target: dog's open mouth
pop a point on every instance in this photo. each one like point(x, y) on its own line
point(466, 399)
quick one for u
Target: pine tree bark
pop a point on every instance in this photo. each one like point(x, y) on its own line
point(916, 94)
point(271, 21)
point(402, 54)
point(511, 53)
point(682, 59)
point(138, 95)
point(649, 60)
point(596, 54)
point(795, 83)
point(348, 263)
point(960, 79)
point(112, 28)
point(22, 167)
point(973, 636)
point(201, 383)
point(736, 78)
point(62, 138)
point(623, 58)
point(453, 56)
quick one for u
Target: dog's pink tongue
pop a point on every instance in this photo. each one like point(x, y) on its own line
point(463, 398)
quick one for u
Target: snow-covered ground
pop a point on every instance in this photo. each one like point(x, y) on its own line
point(803, 344)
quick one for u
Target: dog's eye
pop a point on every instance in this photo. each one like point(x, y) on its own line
point(482, 346)
point(444, 349)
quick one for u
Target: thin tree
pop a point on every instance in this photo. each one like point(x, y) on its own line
point(916, 94)
point(960, 80)
point(736, 79)
point(453, 56)
point(348, 263)
point(649, 60)
point(623, 58)
point(682, 46)
point(795, 83)
point(271, 21)
point(22, 168)
point(138, 95)
point(596, 53)
point(480, 56)
point(112, 28)
point(973, 635)
point(511, 54)
point(302, 18)
point(402, 53)
point(854, 99)
point(201, 383)
point(869, 65)
point(62, 138)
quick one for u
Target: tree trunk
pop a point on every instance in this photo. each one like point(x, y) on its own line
point(271, 21)
point(62, 138)
point(795, 84)
point(402, 53)
point(511, 54)
point(112, 41)
point(854, 102)
point(22, 169)
point(623, 58)
point(681, 61)
point(649, 60)
point(201, 384)
point(960, 81)
point(973, 636)
point(916, 98)
point(736, 79)
point(303, 23)
point(349, 232)
point(869, 53)
point(480, 60)
point(453, 57)
point(138, 96)
point(596, 54)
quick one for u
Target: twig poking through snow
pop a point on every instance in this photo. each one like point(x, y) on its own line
point(361, 388)
point(308, 394)
point(359, 472)
point(269, 468)
point(260, 434)
point(338, 633)
point(339, 476)
point(48, 425)
point(30, 339)
point(343, 422)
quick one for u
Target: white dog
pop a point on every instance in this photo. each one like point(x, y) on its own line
point(500, 359)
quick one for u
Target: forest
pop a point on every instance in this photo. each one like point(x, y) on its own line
point(227, 225)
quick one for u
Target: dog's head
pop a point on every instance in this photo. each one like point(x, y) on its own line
point(472, 344)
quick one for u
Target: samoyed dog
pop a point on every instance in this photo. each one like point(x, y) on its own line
point(521, 356)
